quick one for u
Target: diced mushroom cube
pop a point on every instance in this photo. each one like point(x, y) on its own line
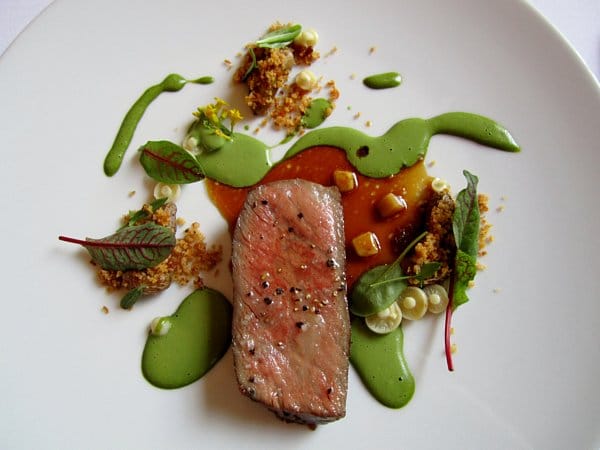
point(366, 244)
point(391, 204)
point(345, 180)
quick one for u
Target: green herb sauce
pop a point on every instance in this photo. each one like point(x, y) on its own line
point(380, 363)
point(171, 83)
point(240, 162)
point(244, 161)
point(383, 80)
point(316, 113)
point(199, 336)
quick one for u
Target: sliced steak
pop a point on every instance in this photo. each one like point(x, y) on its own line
point(291, 326)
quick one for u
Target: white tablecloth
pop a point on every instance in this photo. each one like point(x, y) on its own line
point(577, 20)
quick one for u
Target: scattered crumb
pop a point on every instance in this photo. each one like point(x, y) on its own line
point(333, 51)
point(431, 163)
point(485, 238)
point(453, 348)
point(503, 198)
point(131, 193)
point(357, 115)
point(496, 290)
point(500, 208)
point(180, 221)
point(368, 123)
point(372, 50)
point(352, 76)
point(105, 310)
point(228, 64)
point(451, 330)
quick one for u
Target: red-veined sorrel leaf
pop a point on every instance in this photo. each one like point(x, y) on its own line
point(132, 248)
point(466, 221)
point(168, 162)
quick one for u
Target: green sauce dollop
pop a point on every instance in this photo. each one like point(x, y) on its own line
point(199, 335)
point(316, 113)
point(171, 83)
point(380, 363)
point(383, 80)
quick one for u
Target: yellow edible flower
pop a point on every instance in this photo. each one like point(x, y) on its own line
point(211, 114)
point(235, 116)
point(219, 103)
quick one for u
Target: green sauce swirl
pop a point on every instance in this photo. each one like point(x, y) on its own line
point(171, 83)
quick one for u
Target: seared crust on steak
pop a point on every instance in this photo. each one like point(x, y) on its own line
point(291, 326)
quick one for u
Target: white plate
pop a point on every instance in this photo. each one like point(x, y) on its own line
point(528, 359)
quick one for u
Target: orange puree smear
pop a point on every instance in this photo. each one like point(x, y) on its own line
point(317, 164)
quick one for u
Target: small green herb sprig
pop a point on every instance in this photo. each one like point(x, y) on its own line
point(144, 213)
point(279, 38)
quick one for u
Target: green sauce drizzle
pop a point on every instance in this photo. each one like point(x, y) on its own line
point(380, 363)
point(199, 336)
point(405, 142)
point(244, 161)
point(383, 80)
point(171, 83)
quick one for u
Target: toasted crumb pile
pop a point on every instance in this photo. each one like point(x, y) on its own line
point(272, 70)
point(438, 244)
point(270, 92)
point(189, 258)
point(292, 102)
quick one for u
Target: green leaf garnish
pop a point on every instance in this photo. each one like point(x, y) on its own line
point(376, 289)
point(379, 287)
point(279, 38)
point(465, 269)
point(252, 64)
point(465, 226)
point(131, 297)
point(427, 271)
point(168, 162)
point(141, 214)
point(131, 248)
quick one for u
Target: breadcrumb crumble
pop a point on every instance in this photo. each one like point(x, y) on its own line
point(266, 73)
point(189, 258)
